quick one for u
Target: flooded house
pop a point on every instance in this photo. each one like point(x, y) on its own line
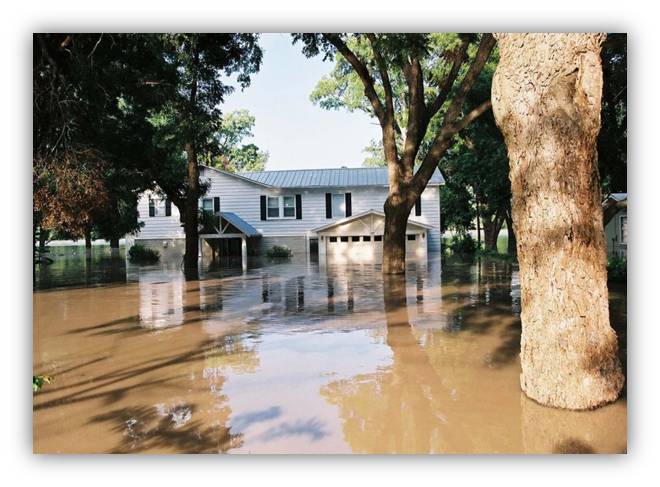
point(313, 212)
point(615, 220)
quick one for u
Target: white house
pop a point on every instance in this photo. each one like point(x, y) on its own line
point(615, 219)
point(324, 211)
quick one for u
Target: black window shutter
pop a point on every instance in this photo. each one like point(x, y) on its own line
point(168, 207)
point(152, 208)
point(328, 205)
point(263, 207)
point(418, 206)
point(349, 206)
point(298, 207)
point(216, 204)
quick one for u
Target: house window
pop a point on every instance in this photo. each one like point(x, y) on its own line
point(623, 227)
point(355, 239)
point(273, 207)
point(207, 205)
point(281, 207)
point(338, 205)
point(152, 207)
point(333, 239)
point(378, 238)
point(411, 236)
point(344, 239)
point(289, 205)
point(366, 238)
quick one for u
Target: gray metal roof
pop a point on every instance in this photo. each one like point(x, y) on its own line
point(240, 224)
point(340, 177)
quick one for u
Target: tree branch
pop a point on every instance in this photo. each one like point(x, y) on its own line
point(448, 82)
point(363, 73)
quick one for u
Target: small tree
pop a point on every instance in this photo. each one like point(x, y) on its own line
point(189, 116)
point(391, 64)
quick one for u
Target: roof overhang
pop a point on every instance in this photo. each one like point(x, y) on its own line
point(349, 219)
point(237, 176)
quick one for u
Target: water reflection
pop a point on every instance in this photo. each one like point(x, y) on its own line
point(299, 357)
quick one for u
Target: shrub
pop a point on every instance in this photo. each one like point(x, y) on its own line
point(279, 252)
point(617, 268)
point(463, 244)
point(38, 381)
point(141, 254)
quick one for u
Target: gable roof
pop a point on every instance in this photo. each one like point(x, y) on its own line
point(240, 224)
point(343, 221)
point(328, 178)
point(234, 175)
point(612, 205)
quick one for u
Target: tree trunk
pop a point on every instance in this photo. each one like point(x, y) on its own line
point(191, 216)
point(546, 100)
point(492, 227)
point(394, 239)
point(478, 228)
point(114, 242)
point(511, 240)
point(88, 240)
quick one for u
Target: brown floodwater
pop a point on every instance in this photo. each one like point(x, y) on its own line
point(295, 358)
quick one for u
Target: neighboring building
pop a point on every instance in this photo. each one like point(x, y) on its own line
point(334, 211)
point(615, 219)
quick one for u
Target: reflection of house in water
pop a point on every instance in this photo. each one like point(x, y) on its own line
point(161, 302)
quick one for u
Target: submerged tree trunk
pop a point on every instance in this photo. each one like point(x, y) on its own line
point(394, 238)
point(547, 101)
point(191, 216)
point(492, 227)
point(88, 240)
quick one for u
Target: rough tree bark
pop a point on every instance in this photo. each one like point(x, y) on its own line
point(547, 99)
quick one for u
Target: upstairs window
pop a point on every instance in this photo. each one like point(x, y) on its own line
point(289, 206)
point(624, 229)
point(207, 205)
point(152, 207)
point(273, 207)
point(338, 205)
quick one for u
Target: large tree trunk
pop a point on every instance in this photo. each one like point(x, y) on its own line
point(547, 100)
point(88, 240)
point(397, 210)
point(191, 216)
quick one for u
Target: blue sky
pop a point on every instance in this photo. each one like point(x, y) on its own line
point(297, 133)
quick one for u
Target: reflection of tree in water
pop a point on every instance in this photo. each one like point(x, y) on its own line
point(399, 408)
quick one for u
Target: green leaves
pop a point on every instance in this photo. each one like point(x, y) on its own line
point(38, 381)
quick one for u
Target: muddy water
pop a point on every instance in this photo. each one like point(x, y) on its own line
point(299, 358)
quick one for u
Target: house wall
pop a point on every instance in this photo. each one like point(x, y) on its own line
point(243, 198)
point(613, 235)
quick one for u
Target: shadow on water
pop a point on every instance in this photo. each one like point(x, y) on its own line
point(299, 356)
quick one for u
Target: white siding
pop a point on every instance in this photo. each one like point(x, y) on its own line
point(243, 198)
point(159, 226)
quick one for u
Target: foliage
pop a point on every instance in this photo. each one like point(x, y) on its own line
point(279, 252)
point(463, 244)
point(612, 139)
point(494, 254)
point(233, 154)
point(617, 268)
point(141, 254)
point(38, 381)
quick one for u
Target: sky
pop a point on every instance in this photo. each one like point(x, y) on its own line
point(296, 133)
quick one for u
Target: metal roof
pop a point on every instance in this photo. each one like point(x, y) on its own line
point(240, 224)
point(340, 177)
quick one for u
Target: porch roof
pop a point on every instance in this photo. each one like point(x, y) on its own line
point(237, 222)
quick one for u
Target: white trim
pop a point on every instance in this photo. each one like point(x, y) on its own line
point(237, 176)
point(363, 214)
point(280, 199)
